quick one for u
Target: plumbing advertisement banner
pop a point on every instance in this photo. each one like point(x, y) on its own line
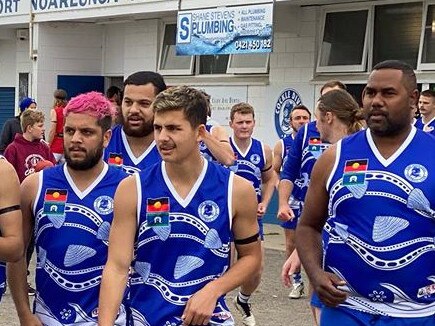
point(225, 30)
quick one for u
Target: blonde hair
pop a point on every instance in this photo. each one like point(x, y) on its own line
point(30, 117)
point(344, 107)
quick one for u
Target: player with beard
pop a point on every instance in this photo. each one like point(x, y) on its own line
point(72, 209)
point(373, 193)
point(132, 145)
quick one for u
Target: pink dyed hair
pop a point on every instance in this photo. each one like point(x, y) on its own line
point(94, 104)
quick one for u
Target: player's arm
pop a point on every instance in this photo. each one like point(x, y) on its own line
point(53, 125)
point(218, 144)
point(121, 241)
point(289, 173)
point(11, 240)
point(268, 181)
point(277, 157)
point(289, 267)
point(245, 229)
point(309, 230)
point(17, 271)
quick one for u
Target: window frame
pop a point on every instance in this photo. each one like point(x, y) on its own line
point(247, 70)
point(362, 67)
point(423, 66)
point(172, 72)
point(194, 68)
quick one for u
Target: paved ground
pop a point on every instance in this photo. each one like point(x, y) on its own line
point(271, 305)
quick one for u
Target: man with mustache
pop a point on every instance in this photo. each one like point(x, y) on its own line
point(72, 209)
point(426, 105)
point(373, 193)
point(180, 217)
point(132, 145)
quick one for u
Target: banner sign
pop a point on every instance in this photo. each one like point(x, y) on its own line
point(226, 30)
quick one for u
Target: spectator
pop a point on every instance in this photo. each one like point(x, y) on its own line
point(55, 136)
point(13, 126)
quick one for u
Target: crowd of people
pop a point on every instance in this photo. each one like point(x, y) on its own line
point(143, 211)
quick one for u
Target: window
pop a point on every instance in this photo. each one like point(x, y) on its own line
point(427, 51)
point(397, 30)
point(344, 41)
point(249, 63)
point(353, 40)
point(171, 64)
point(213, 64)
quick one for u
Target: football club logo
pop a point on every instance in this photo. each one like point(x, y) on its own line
point(208, 211)
point(255, 158)
point(287, 100)
point(157, 212)
point(103, 205)
point(355, 172)
point(416, 173)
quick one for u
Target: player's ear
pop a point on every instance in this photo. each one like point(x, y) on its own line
point(201, 130)
point(106, 137)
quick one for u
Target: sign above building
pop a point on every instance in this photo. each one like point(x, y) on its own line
point(225, 30)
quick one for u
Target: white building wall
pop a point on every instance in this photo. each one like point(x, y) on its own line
point(291, 66)
point(8, 50)
point(113, 50)
point(141, 46)
point(119, 49)
point(65, 49)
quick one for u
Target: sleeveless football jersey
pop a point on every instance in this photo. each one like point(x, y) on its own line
point(286, 145)
point(71, 240)
point(428, 127)
point(381, 225)
point(205, 152)
point(182, 244)
point(250, 163)
point(306, 149)
point(118, 153)
point(2, 279)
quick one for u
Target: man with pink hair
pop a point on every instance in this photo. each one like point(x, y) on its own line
point(72, 209)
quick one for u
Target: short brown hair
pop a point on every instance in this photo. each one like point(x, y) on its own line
point(242, 108)
point(333, 83)
point(428, 93)
point(30, 117)
point(186, 99)
point(300, 107)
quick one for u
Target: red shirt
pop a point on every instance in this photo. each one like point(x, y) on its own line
point(24, 155)
point(57, 143)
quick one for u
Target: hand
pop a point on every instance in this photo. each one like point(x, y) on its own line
point(261, 210)
point(325, 285)
point(285, 213)
point(199, 308)
point(30, 320)
point(292, 264)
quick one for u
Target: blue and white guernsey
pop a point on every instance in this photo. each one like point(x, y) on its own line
point(205, 152)
point(2, 279)
point(250, 163)
point(428, 127)
point(71, 241)
point(306, 149)
point(286, 145)
point(182, 244)
point(381, 225)
point(118, 153)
